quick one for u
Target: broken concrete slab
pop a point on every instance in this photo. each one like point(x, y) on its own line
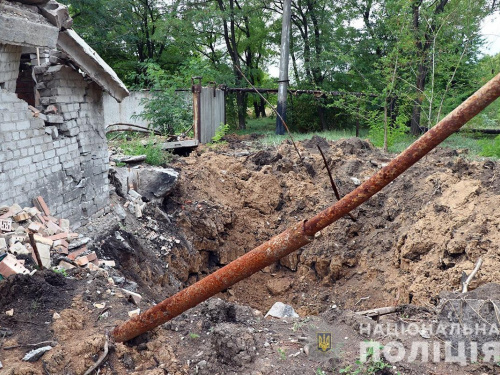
point(156, 183)
point(21, 26)
point(91, 63)
point(129, 159)
point(31, 2)
point(119, 178)
point(57, 14)
point(44, 252)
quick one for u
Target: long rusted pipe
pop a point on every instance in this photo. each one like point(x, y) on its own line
point(302, 233)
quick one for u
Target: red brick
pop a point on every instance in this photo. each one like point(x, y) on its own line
point(41, 205)
point(75, 253)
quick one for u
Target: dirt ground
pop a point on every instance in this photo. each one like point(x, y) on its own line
point(408, 245)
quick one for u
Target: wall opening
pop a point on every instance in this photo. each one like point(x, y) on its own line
point(25, 84)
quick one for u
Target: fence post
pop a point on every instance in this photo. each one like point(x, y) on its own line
point(196, 90)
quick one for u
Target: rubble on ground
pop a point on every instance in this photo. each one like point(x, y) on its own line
point(141, 184)
point(31, 239)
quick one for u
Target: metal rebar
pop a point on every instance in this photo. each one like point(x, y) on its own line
point(302, 233)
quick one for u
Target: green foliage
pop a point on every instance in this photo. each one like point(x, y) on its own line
point(193, 335)
point(154, 154)
point(370, 367)
point(395, 131)
point(491, 148)
point(60, 271)
point(160, 45)
point(166, 110)
point(282, 353)
point(220, 133)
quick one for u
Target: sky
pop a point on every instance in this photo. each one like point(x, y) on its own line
point(491, 32)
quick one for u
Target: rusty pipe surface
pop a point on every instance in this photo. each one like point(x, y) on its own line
point(302, 233)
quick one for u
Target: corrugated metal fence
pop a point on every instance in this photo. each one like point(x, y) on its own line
point(212, 112)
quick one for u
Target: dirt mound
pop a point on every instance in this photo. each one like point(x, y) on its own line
point(419, 233)
point(33, 300)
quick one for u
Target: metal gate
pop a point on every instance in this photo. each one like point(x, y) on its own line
point(209, 110)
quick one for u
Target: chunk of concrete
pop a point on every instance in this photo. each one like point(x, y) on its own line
point(133, 297)
point(19, 249)
point(3, 244)
point(44, 252)
point(57, 14)
point(156, 183)
point(36, 354)
point(119, 178)
point(280, 310)
point(130, 159)
point(21, 26)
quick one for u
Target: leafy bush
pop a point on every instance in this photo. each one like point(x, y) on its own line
point(166, 110)
point(220, 133)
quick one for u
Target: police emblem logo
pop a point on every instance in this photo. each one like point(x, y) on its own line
point(324, 341)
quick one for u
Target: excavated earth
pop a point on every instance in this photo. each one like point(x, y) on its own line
point(408, 247)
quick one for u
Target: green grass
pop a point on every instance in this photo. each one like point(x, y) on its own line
point(138, 144)
point(478, 145)
point(266, 127)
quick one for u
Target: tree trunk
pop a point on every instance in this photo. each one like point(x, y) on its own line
point(417, 104)
point(256, 108)
point(263, 108)
point(241, 102)
point(321, 113)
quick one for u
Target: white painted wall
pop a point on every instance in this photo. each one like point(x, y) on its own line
point(122, 113)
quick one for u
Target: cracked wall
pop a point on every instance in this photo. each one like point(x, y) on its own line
point(60, 153)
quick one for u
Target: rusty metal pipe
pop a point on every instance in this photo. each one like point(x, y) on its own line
point(302, 233)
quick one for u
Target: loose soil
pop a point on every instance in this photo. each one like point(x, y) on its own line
point(408, 245)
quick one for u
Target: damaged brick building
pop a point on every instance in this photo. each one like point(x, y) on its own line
point(52, 135)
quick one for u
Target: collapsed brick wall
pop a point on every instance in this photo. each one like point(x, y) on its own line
point(62, 154)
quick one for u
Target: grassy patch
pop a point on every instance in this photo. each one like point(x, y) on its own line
point(266, 127)
point(134, 144)
point(478, 145)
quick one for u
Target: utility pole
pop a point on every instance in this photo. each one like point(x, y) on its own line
point(283, 77)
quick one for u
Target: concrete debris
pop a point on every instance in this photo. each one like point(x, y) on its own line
point(134, 312)
point(156, 183)
point(55, 244)
point(36, 354)
point(132, 297)
point(129, 159)
point(280, 310)
point(139, 185)
point(57, 14)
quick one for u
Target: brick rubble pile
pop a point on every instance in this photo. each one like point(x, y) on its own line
point(30, 239)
